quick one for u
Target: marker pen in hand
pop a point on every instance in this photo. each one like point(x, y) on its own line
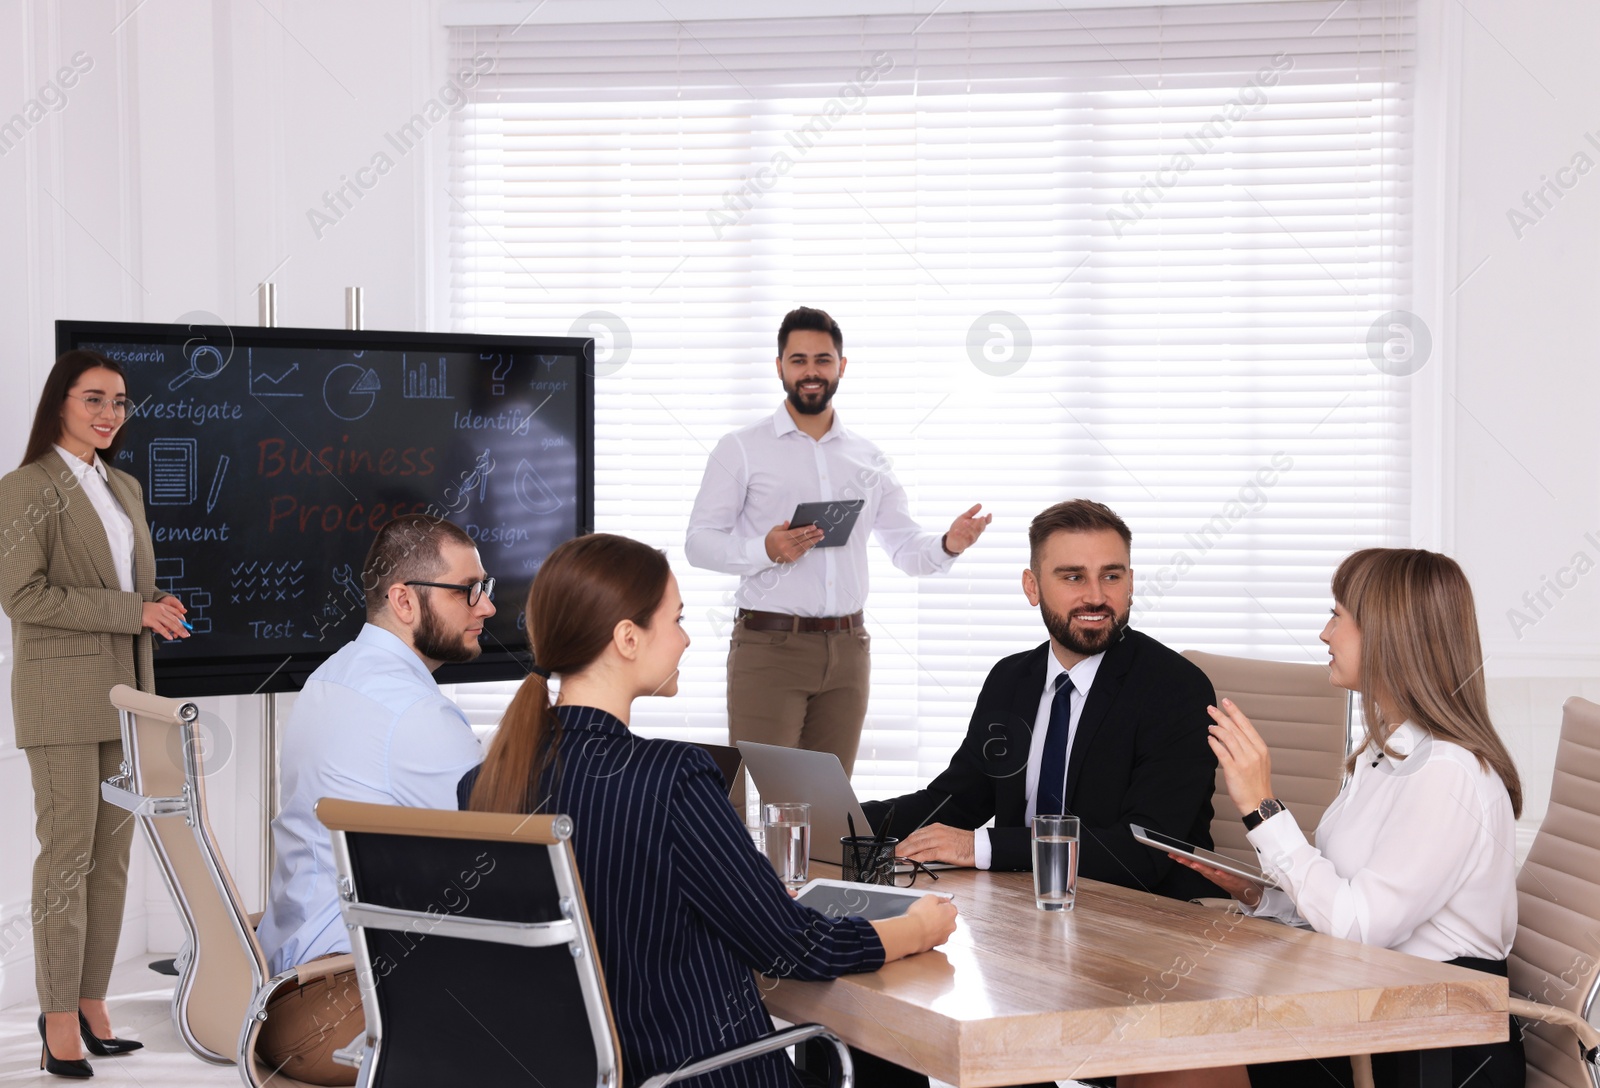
point(187, 626)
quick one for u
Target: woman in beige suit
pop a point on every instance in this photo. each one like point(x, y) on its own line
point(77, 579)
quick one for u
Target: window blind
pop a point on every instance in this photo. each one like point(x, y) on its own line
point(1130, 254)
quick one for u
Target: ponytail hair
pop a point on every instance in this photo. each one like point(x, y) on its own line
point(584, 589)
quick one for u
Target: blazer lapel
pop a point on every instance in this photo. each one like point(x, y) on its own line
point(1108, 683)
point(84, 519)
point(144, 557)
point(1030, 687)
point(1011, 797)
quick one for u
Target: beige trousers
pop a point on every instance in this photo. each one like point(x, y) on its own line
point(306, 1025)
point(80, 877)
point(798, 689)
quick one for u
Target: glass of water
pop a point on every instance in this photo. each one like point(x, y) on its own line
point(787, 828)
point(1055, 862)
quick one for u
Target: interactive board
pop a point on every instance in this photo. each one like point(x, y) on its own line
point(270, 457)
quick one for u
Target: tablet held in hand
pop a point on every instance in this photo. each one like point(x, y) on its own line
point(836, 519)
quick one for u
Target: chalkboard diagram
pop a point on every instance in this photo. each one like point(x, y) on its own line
point(418, 385)
point(498, 374)
point(172, 471)
point(271, 467)
point(533, 494)
point(216, 483)
point(205, 362)
point(477, 481)
point(257, 581)
point(264, 384)
point(350, 390)
point(170, 578)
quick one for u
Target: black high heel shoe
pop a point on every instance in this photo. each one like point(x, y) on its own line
point(104, 1048)
point(78, 1067)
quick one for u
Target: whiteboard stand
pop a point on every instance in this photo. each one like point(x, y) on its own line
point(267, 305)
point(267, 316)
point(354, 309)
point(269, 790)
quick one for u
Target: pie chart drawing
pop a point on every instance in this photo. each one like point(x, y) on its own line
point(533, 494)
point(350, 390)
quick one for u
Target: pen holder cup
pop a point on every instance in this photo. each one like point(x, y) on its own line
point(868, 860)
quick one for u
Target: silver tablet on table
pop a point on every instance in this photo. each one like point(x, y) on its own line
point(1169, 845)
point(843, 898)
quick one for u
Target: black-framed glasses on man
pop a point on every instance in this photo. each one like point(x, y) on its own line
point(475, 591)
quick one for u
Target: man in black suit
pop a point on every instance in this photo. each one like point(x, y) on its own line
point(1121, 740)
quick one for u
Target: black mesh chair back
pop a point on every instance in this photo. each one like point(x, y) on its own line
point(475, 957)
point(472, 948)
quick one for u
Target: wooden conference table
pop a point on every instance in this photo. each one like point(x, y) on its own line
point(1131, 983)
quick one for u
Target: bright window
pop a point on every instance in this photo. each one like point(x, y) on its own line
point(1128, 254)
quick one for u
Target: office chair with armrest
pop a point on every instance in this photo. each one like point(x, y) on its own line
point(1554, 965)
point(1555, 961)
point(475, 956)
point(222, 988)
point(1306, 723)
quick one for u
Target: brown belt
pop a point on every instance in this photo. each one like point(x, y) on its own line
point(782, 621)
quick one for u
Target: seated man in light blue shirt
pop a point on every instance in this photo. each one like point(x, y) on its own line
point(370, 725)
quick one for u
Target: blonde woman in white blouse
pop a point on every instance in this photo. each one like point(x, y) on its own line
point(1415, 853)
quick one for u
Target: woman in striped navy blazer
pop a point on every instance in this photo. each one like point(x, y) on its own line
point(683, 905)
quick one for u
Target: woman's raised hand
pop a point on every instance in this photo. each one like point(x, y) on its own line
point(1243, 756)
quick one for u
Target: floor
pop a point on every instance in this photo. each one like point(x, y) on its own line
point(141, 1003)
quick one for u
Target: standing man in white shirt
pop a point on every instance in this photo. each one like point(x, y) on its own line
point(799, 665)
point(369, 725)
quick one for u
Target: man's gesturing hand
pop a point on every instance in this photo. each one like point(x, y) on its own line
point(965, 530)
point(785, 545)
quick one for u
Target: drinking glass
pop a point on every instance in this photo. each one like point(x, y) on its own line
point(1055, 862)
point(787, 827)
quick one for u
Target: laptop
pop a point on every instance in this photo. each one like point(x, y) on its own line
point(818, 779)
point(728, 761)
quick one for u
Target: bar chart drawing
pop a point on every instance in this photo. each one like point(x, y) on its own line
point(419, 384)
point(172, 471)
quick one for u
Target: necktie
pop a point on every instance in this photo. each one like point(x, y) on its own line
point(1052, 793)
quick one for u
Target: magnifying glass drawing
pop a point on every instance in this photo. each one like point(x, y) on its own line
point(204, 362)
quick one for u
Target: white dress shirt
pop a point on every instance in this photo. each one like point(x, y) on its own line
point(1414, 855)
point(369, 725)
point(1082, 675)
point(119, 527)
point(754, 480)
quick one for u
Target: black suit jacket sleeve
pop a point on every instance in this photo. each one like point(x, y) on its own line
point(991, 761)
point(1140, 755)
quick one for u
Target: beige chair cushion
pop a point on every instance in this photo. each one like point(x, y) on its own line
point(1556, 958)
point(215, 990)
point(1304, 720)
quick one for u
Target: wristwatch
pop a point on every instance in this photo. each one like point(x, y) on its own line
point(1268, 809)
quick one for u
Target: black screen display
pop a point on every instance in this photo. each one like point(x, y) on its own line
point(269, 458)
